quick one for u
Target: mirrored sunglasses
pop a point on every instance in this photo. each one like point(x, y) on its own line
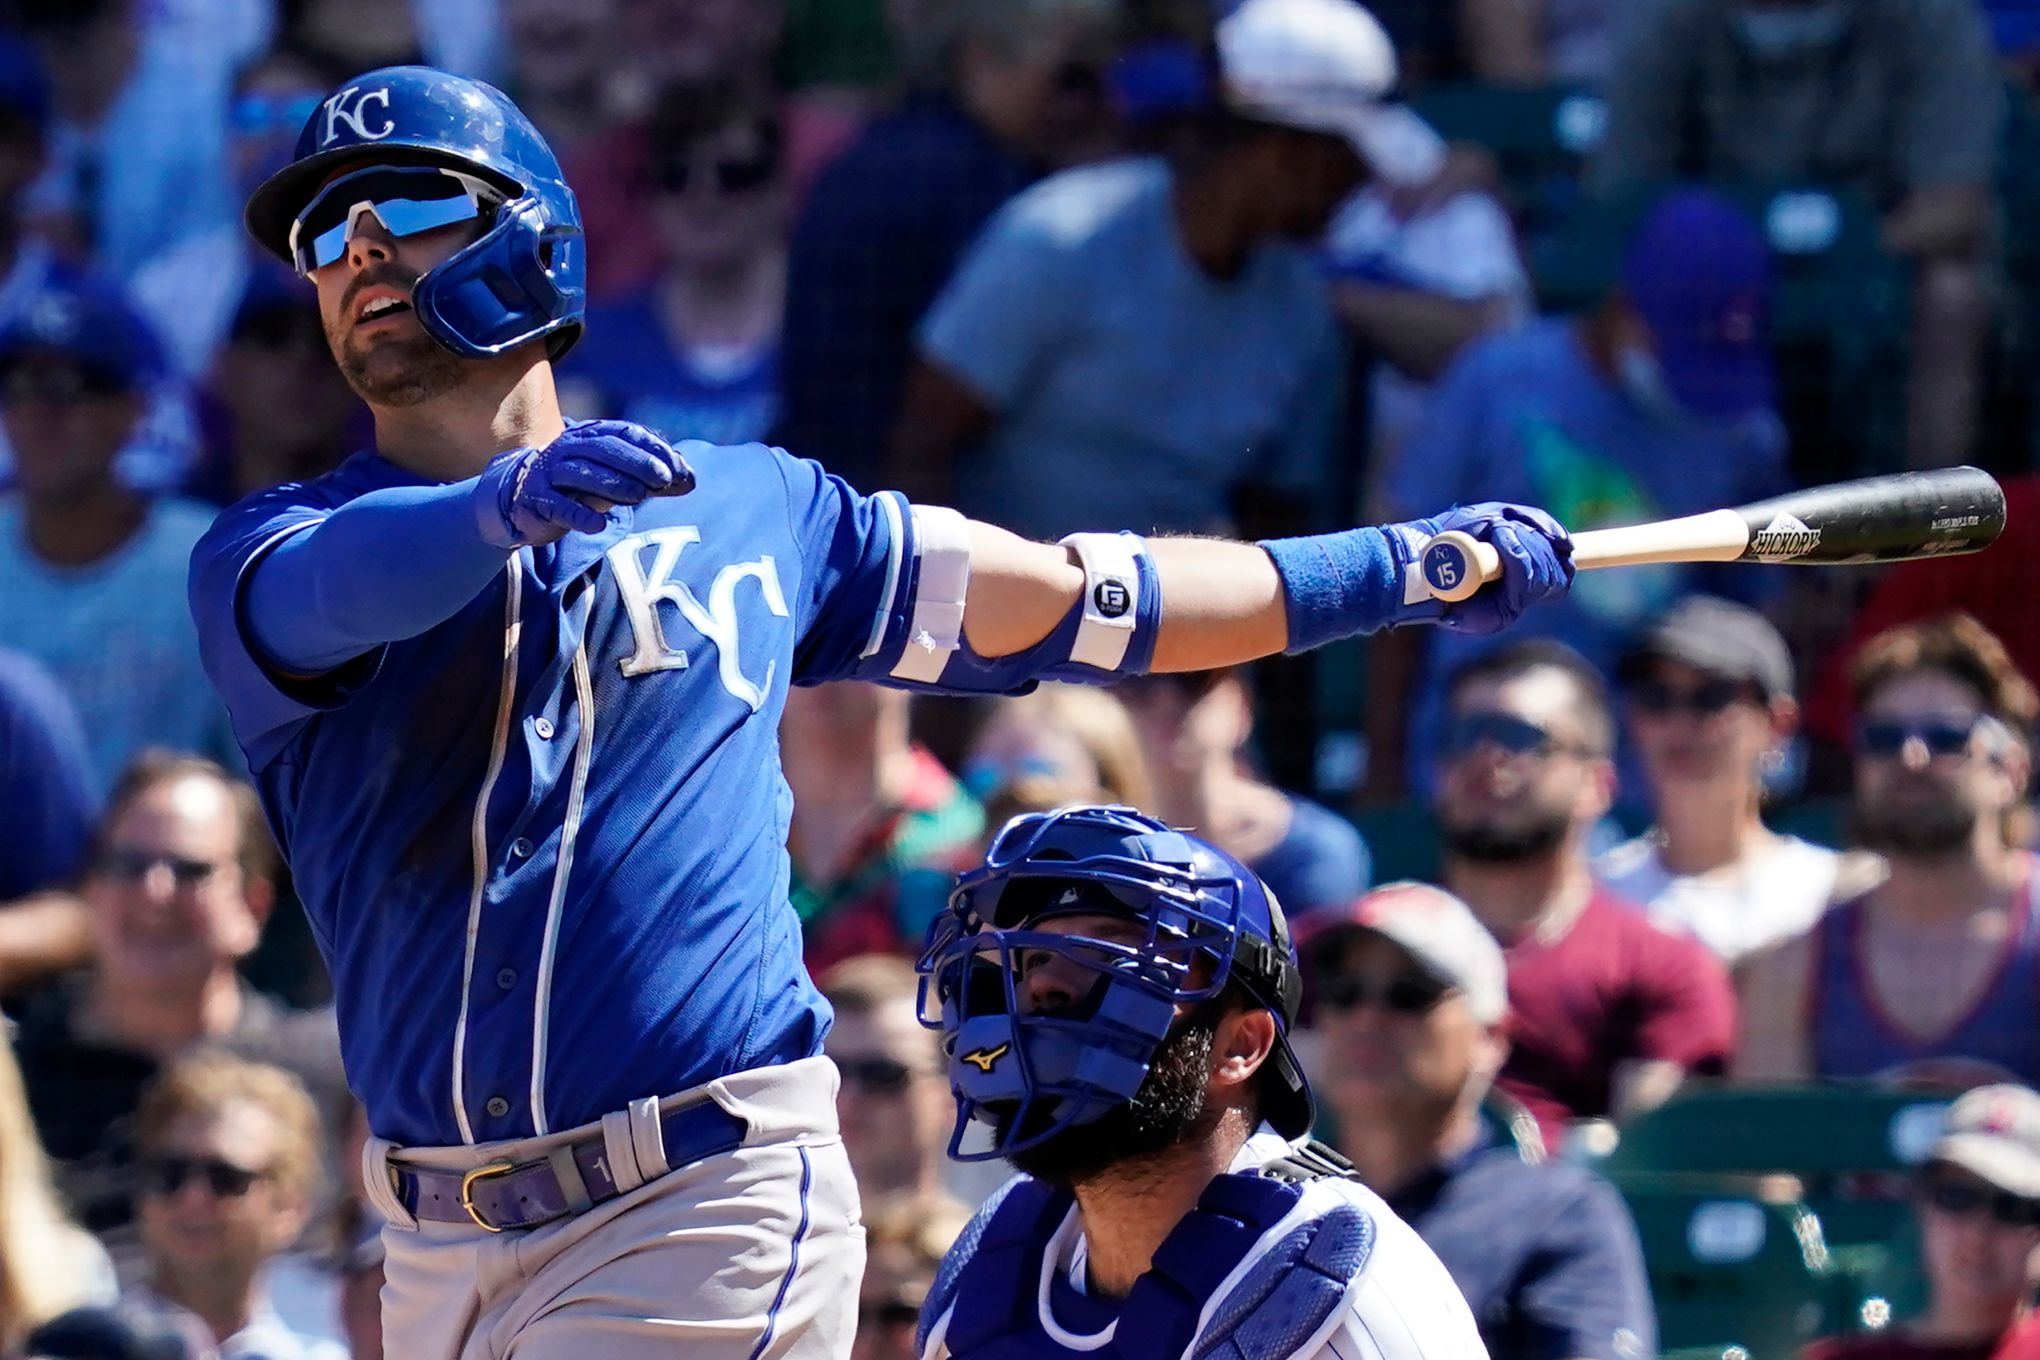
point(1940, 736)
point(1508, 734)
point(132, 866)
point(407, 200)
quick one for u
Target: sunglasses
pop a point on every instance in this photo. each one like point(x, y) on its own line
point(729, 175)
point(881, 1076)
point(1965, 1199)
point(132, 866)
point(1510, 735)
point(1940, 736)
point(408, 200)
point(1708, 699)
point(1409, 994)
point(165, 1176)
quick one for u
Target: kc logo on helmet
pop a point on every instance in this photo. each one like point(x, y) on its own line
point(351, 107)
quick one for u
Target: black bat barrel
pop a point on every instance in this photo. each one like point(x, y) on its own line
point(1878, 519)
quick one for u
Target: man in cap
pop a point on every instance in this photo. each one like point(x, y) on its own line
point(1115, 998)
point(1656, 403)
point(1710, 705)
point(1205, 384)
point(1409, 1001)
point(1977, 1199)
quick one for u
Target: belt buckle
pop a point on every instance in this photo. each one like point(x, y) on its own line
point(467, 1192)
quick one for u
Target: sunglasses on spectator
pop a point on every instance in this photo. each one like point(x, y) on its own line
point(271, 115)
point(1408, 994)
point(1708, 699)
point(132, 866)
point(1940, 736)
point(1966, 1199)
point(1510, 735)
point(167, 1175)
point(408, 200)
point(880, 1076)
point(59, 384)
point(729, 174)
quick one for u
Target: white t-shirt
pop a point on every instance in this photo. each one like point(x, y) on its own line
point(1737, 911)
point(1403, 1306)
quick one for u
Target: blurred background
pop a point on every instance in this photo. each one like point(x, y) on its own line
point(1746, 853)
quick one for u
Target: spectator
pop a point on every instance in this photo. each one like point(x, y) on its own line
point(1156, 331)
point(1061, 744)
point(561, 63)
point(1977, 1200)
point(1657, 403)
point(878, 826)
point(358, 35)
point(886, 224)
point(47, 1266)
point(895, 1105)
point(1538, 42)
point(1194, 731)
point(46, 782)
point(1410, 1003)
point(906, 1237)
point(696, 356)
point(229, 1155)
point(1610, 1013)
point(1709, 693)
point(1935, 972)
point(1899, 101)
point(181, 881)
point(25, 253)
point(95, 573)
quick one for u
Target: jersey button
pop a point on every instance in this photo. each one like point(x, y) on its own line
point(521, 848)
point(544, 728)
point(497, 1107)
point(506, 978)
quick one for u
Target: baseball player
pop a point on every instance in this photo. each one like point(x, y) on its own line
point(1115, 998)
point(509, 688)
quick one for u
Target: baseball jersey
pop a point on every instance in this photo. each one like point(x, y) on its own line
point(1399, 1302)
point(542, 843)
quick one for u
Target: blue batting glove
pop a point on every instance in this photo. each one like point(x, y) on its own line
point(534, 496)
point(1536, 554)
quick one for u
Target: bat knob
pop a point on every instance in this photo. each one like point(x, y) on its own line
point(1452, 565)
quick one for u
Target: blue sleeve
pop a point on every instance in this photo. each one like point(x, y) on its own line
point(857, 574)
point(45, 780)
point(294, 600)
point(1586, 1288)
point(1004, 314)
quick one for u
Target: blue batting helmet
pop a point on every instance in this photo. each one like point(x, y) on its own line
point(526, 278)
point(1207, 921)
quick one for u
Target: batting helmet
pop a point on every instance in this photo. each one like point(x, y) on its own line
point(1208, 921)
point(526, 278)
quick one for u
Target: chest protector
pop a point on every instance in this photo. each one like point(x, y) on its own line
point(1283, 1252)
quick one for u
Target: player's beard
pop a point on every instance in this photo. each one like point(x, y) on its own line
point(1519, 834)
point(1168, 1109)
point(397, 370)
point(1932, 827)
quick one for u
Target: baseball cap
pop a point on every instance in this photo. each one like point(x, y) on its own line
point(88, 322)
point(1437, 930)
point(1993, 1132)
point(1698, 271)
point(1323, 66)
point(1719, 637)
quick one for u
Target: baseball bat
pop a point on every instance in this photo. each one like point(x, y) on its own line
point(1872, 519)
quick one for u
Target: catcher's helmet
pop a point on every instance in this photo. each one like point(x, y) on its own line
point(526, 278)
point(1208, 920)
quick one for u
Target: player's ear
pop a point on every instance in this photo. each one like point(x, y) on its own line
point(1244, 1038)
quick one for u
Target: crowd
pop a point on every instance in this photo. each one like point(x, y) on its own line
point(1066, 264)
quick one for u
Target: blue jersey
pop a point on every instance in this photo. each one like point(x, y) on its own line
point(542, 844)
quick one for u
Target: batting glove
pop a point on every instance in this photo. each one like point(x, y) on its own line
point(534, 496)
point(1536, 554)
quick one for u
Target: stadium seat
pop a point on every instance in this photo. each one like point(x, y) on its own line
point(1540, 138)
point(1728, 1267)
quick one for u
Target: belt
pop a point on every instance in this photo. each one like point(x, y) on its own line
point(506, 1195)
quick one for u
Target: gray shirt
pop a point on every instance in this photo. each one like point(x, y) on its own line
point(1900, 95)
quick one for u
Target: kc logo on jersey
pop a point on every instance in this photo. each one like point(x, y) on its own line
point(351, 106)
point(644, 591)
